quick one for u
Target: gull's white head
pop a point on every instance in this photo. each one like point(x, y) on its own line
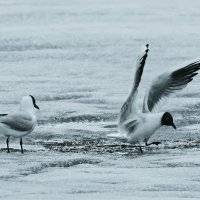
point(28, 103)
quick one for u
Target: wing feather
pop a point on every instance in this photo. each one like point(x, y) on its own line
point(129, 105)
point(166, 84)
point(18, 121)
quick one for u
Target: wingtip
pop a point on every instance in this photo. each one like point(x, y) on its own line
point(147, 48)
point(194, 74)
point(144, 51)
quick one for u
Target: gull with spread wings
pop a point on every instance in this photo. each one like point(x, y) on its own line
point(138, 126)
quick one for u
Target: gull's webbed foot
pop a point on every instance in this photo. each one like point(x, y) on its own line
point(156, 143)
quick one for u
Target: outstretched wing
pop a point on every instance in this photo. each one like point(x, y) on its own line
point(168, 83)
point(129, 105)
point(18, 121)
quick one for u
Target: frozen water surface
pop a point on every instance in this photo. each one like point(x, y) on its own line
point(77, 59)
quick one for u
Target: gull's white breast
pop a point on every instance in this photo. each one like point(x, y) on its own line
point(146, 128)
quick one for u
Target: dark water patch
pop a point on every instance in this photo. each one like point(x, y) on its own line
point(178, 164)
point(79, 134)
point(111, 182)
point(27, 47)
point(12, 150)
point(189, 95)
point(179, 59)
point(7, 177)
point(7, 102)
point(52, 119)
point(85, 118)
point(93, 101)
point(65, 97)
point(111, 126)
point(102, 145)
point(85, 89)
point(105, 107)
point(173, 188)
point(183, 144)
point(98, 145)
point(62, 164)
point(197, 179)
point(72, 145)
point(79, 191)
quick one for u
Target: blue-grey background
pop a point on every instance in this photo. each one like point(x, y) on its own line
point(77, 59)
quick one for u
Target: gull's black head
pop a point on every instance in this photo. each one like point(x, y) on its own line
point(34, 102)
point(167, 120)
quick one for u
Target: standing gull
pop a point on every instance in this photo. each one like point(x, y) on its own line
point(20, 123)
point(137, 126)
